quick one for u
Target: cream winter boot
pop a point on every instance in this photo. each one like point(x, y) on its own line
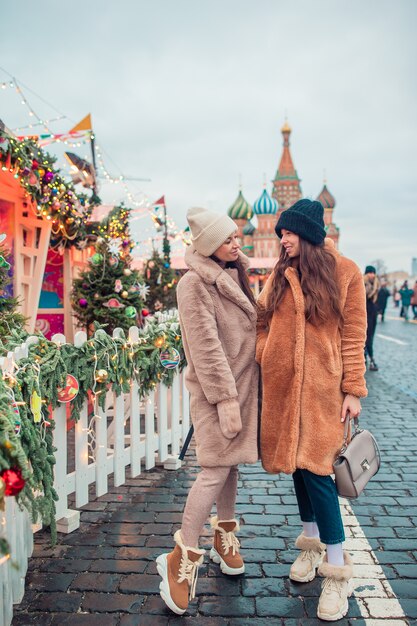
point(312, 552)
point(337, 587)
point(179, 572)
point(225, 548)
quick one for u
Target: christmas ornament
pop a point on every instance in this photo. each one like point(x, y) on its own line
point(127, 271)
point(96, 296)
point(97, 258)
point(49, 176)
point(114, 246)
point(3, 263)
point(170, 358)
point(113, 303)
point(101, 376)
point(151, 264)
point(70, 391)
point(118, 285)
point(143, 291)
point(159, 341)
point(83, 302)
point(17, 422)
point(36, 406)
point(125, 294)
point(13, 481)
point(166, 265)
point(145, 312)
point(113, 261)
point(125, 243)
point(130, 312)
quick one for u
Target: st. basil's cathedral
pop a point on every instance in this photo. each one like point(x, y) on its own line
point(261, 242)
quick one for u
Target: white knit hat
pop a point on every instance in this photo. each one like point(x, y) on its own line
point(209, 230)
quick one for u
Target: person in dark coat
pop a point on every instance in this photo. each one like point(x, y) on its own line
point(383, 295)
point(406, 294)
point(372, 289)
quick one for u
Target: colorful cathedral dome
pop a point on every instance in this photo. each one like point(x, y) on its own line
point(249, 228)
point(265, 205)
point(240, 209)
point(326, 198)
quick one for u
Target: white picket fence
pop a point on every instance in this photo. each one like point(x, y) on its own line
point(127, 433)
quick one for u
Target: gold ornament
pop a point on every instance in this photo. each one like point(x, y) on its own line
point(127, 271)
point(159, 341)
point(125, 294)
point(101, 376)
point(96, 296)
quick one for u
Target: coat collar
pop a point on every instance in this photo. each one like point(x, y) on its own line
point(213, 274)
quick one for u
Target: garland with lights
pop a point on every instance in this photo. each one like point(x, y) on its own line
point(102, 363)
point(55, 197)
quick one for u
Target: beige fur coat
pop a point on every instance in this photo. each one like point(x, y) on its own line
point(218, 325)
point(306, 372)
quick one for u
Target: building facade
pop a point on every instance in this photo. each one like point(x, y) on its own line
point(260, 241)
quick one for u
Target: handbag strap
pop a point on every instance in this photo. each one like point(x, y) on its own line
point(348, 421)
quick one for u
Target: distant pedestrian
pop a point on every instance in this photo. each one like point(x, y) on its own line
point(383, 295)
point(311, 333)
point(218, 321)
point(414, 300)
point(372, 289)
point(396, 295)
point(406, 294)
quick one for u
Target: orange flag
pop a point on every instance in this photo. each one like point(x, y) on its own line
point(85, 124)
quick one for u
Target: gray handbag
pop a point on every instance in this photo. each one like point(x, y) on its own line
point(357, 462)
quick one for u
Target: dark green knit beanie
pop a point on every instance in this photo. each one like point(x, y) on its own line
point(305, 218)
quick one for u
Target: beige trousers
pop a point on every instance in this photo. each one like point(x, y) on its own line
point(213, 485)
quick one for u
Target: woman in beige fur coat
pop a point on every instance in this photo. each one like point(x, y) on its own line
point(311, 336)
point(218, 323)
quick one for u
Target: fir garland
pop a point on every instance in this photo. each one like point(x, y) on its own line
point(44, 371)
point(55, 198)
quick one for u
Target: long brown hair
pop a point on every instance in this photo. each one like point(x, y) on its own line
point(317, 269)
point(243, 278)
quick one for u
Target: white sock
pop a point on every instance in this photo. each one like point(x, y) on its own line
point(335, 554)
point(311, 529)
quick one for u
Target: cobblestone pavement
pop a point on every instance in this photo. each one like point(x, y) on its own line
point(104, 573)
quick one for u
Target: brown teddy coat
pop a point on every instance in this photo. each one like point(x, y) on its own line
point(306, 372)
point(218, 325)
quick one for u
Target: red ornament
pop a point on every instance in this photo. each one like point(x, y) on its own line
point(35, 164)
point(13, 480)
point(145, 312)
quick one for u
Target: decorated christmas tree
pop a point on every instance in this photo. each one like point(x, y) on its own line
point(109, 291)
point(10, 319)
point(160, 277)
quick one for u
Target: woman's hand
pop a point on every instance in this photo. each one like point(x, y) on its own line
point(351, 405)
point(229, 418)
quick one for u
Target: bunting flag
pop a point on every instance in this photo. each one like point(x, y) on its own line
point(159, 203)
point(46, 138)
point(85, 124)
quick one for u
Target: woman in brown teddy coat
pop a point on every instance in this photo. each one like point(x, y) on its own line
point(310, 343)
point(218, 322)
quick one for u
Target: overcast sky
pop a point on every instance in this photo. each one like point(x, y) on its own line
point(193, 94)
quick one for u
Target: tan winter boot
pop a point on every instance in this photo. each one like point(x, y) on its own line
point(179, 572)
point(337, 587)
point(225, 548)
point(312, 552)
